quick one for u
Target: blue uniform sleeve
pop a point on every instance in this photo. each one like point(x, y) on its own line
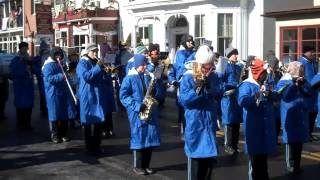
point(246, 98)
point(188, 96)
point(89, 74)
point(49, 75)
point(126, 96)
point(315, 82)
point(172, 74)
point(289, 93)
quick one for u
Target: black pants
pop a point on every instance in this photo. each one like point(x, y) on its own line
point(181, 119)
point(108, 123)
point(278, 127)
point(200, 168)
point(231, 135)
point(43, 104)
point(258, 167)
point(92, 137)
point(23, 118)
point(142, 158)
point(4, 93)
point(59, 128)
point(293, 155)
point(312, 120)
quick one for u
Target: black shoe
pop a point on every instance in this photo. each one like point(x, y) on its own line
point(314, 138)
point(108, 134)
point(150, 170)
point(65, 139)
point(229, 150)
point(139, 171)
point(56, 140)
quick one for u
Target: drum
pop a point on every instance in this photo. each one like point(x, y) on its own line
point(5, 60)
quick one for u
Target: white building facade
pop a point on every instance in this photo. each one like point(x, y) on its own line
point(236, 23)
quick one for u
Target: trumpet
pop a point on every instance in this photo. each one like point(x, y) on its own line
point(106, 66)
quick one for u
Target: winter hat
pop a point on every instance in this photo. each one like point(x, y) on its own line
point(257, 68)
point(139, 60)
point(204, 55)
point(307, 49)
point(186, 38)
point(294, 68)
point(91, 47)
point(230, 51)
point(56, 51)
point(140, 50)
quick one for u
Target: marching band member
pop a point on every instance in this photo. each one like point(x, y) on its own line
point(231, 111)
point(259, 125)
point(183, 55)
point(310, 70)
point(144, 134)
point(198, 88)
point(59, 98)
point(94, 82)
point(294, 120)
point(21, 73)
point(139, 50)
point(155, 63)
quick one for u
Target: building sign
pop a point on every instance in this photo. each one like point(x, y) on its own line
point(316, 2)
point(44, 19)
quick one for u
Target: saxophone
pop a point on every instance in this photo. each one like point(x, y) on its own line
point(149, 101)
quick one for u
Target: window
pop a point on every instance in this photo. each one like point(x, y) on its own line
point(33, 7)
point(199, 29)
point(225, 31)
point(79, 41)
point(181, 22)
point(146, 34)
point(294, 39)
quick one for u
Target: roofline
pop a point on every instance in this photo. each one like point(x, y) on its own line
point(277, 14)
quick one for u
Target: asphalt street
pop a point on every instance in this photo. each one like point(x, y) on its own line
point(31, 155)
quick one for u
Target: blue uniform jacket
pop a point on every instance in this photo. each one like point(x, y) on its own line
point(294, 120)
point(60, 103)
point(231, 111)
point(23, 84)
point(310, 70)
point(143, 134)
point(201, 116)
point(258, 121)
point(177, 69)
point(94, 84)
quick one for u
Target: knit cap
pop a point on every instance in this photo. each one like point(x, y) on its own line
point(204, 55)
point(257, 68)
point(140, 50)
point(139, 60)
point(230, 51)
